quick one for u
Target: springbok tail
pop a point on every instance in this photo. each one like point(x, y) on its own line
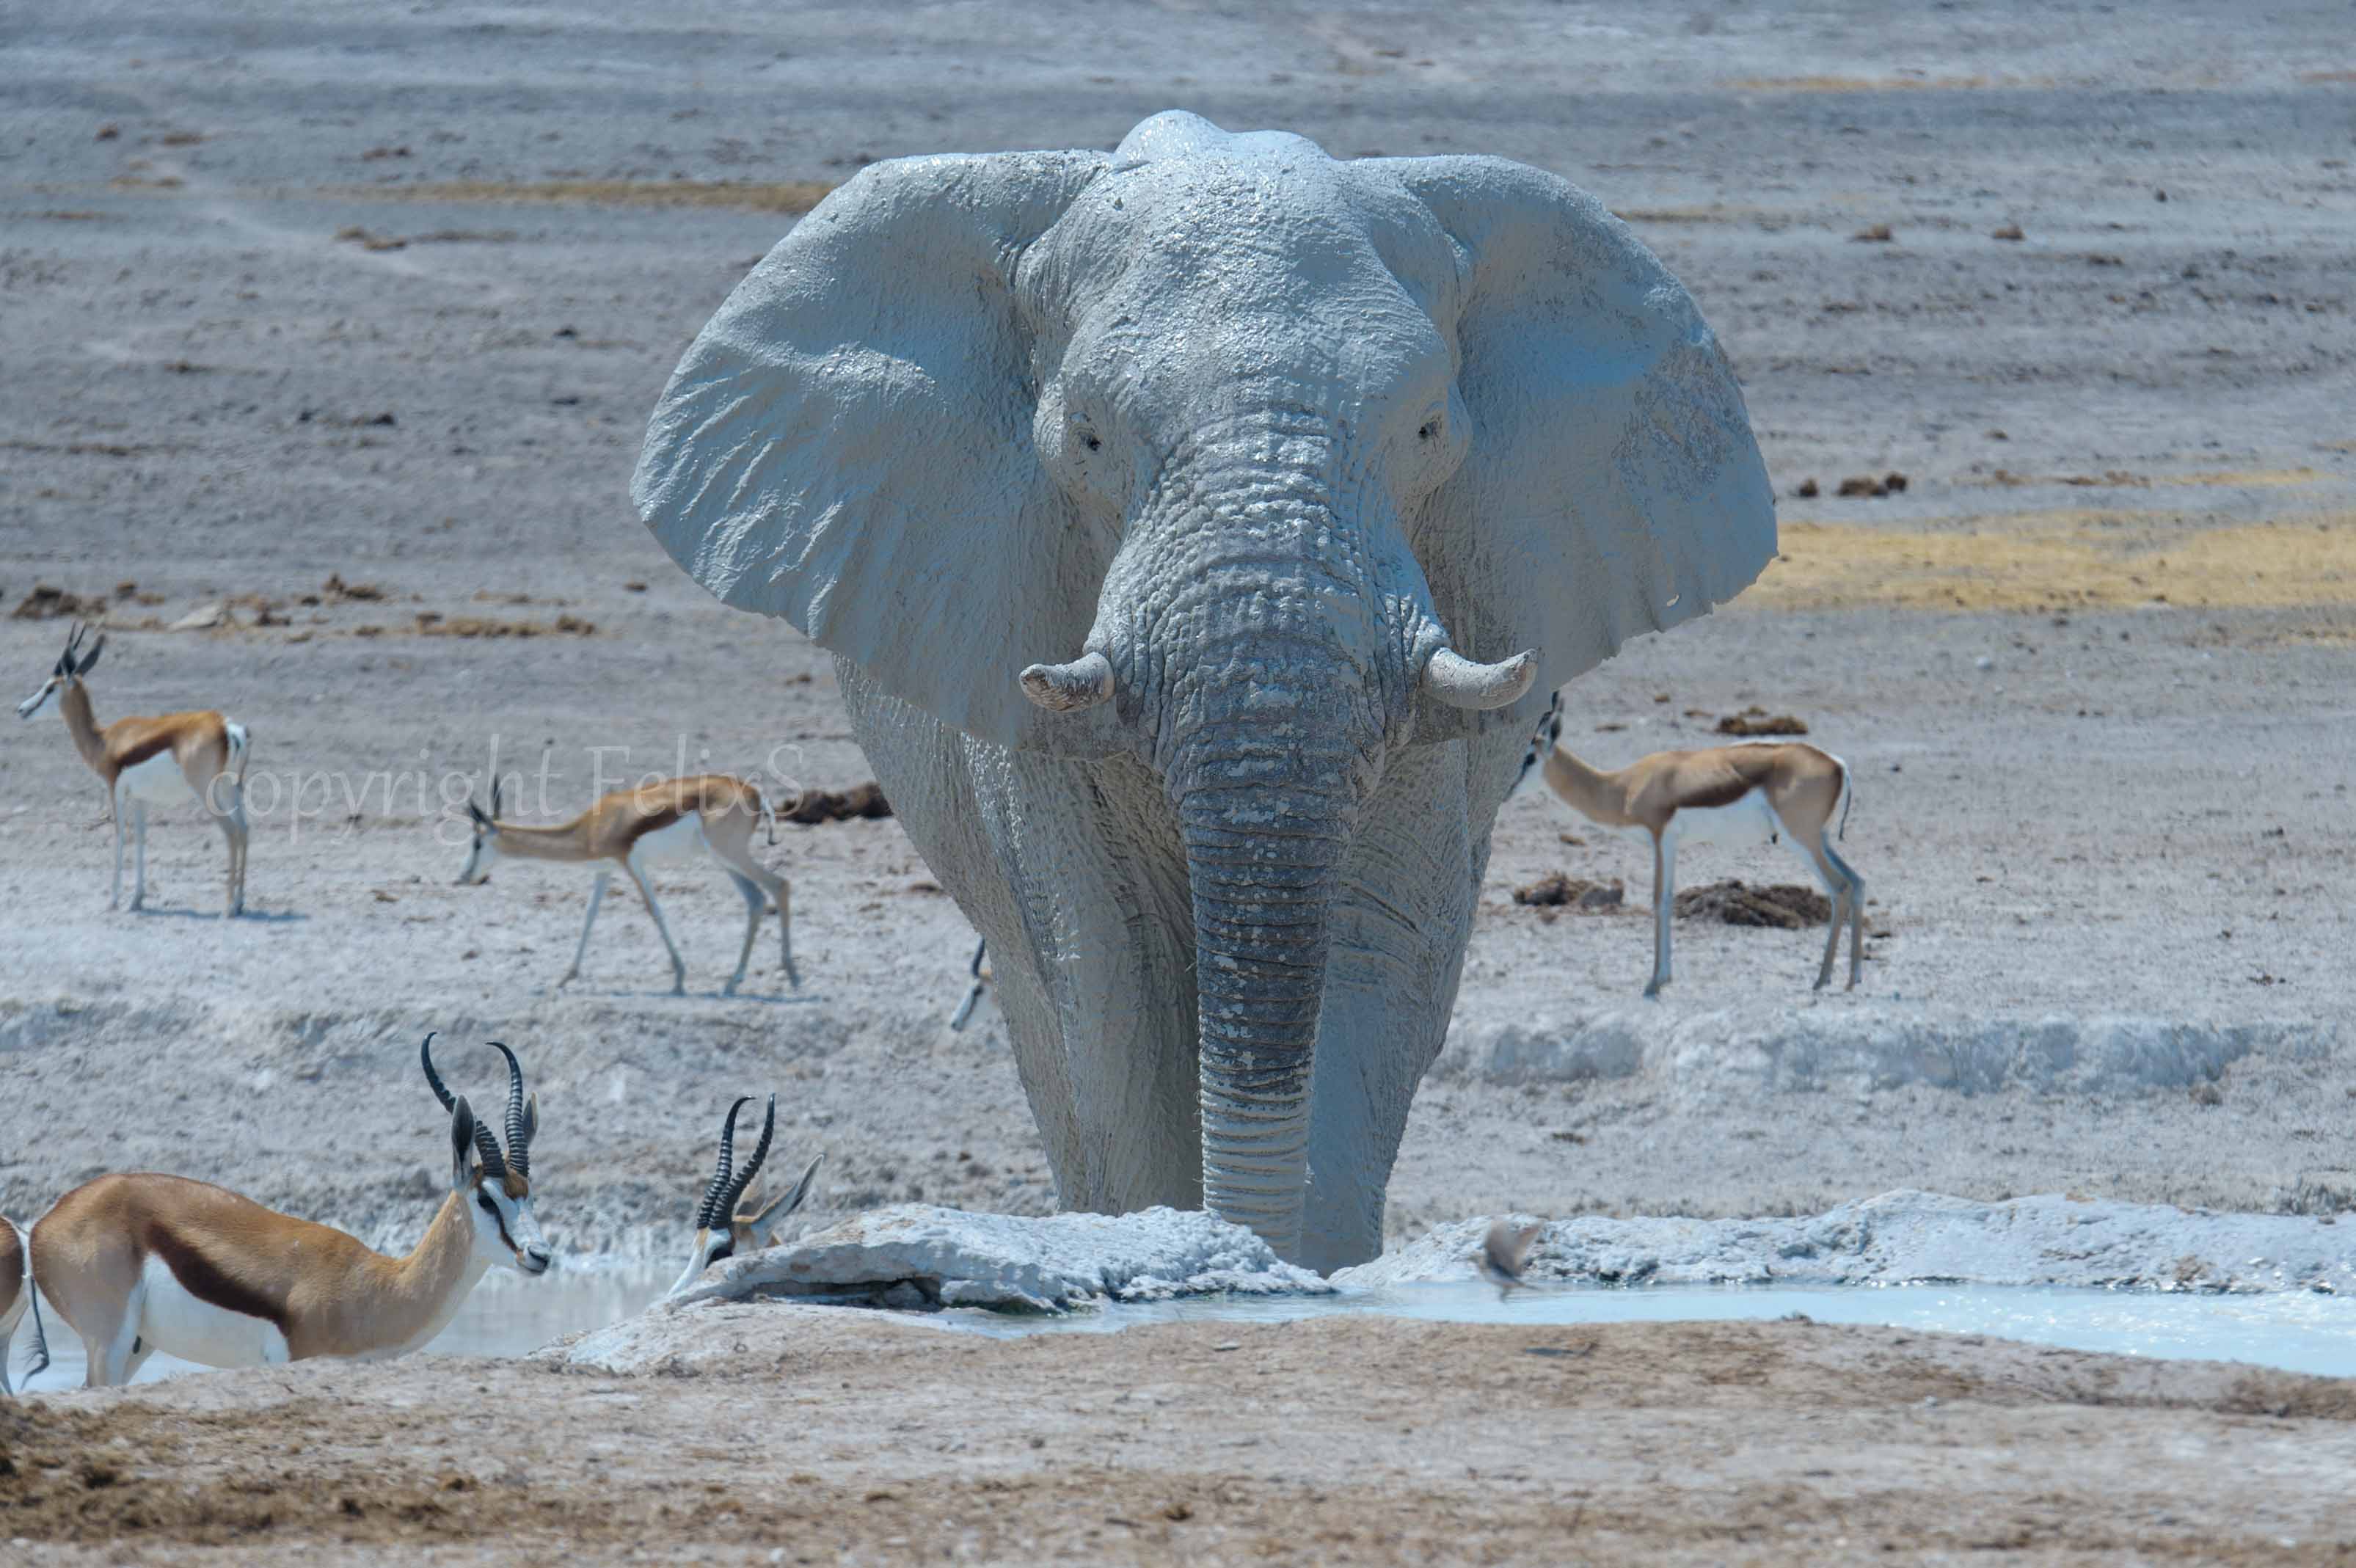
point(1848, 799)
point(40, 1335)
point(237, 737)
point(768, 812)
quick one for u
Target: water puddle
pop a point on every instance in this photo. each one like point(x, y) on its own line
point(2300, 1331)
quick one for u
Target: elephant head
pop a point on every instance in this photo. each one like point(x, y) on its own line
point(1253, 464)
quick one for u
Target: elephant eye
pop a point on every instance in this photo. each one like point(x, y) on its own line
point(1093, 444)
point(1429, 427)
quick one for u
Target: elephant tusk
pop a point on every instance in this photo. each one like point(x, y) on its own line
point(1068, 688)
point(1461, 682)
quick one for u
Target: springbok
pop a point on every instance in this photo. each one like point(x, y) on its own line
point(673, 819)
point(722, 1230)
point(1728, 795)
point(164, 761)
point(16, 1296)
point(141, 1264)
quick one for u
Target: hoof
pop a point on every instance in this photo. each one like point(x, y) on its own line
point(729, 989)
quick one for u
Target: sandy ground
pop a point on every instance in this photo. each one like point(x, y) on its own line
point(813, 1435)
point(385, 298)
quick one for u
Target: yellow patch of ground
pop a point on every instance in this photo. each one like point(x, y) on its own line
point(789, 197)
point(2066, 560)
point(1715, 213)
point(2116, 478)
point(2249, 478)
point(1878, 83)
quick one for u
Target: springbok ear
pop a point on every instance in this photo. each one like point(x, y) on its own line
point(785, 1202)
point(89, 660)
point(1612, 487)
point(848, 445)
point(462, 1146)
point(531, 1117)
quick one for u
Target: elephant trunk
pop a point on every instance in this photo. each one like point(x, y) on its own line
point(1264, 859)
point(1287, 685)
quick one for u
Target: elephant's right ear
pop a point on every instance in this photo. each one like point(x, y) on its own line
point(848, 445)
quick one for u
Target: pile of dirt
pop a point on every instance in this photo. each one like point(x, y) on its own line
point(46, 603)
point(1556, 889)
point(433, 623)
point(335, 590)
point(1759, 721)
point(1786, 905)
point(861, 802)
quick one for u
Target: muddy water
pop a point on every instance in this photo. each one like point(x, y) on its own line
point(2301, 1332)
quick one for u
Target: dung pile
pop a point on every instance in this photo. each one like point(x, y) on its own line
point(1785, 905)
point(813, 807)
point(1556, 889)
point(1755, 721)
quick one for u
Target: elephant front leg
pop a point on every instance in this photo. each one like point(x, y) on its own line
point(1398, 936)
point(1072, 874)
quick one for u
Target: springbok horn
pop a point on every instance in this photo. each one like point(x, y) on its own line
point(487, 1149)
point(518, 1133)
point(1069, 688)
point(743, 1178)
point(711, 1205)
point(1461, 682)
point(433, 1080)
point(495, 795)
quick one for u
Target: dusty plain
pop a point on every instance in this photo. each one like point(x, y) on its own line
point(383, 299)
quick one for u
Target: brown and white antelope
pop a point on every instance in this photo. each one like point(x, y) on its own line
point(1728, 795)
point(16, 1296)
point(673, 819)
point(728, 1223)
point(168, 760)
point(142, 1263)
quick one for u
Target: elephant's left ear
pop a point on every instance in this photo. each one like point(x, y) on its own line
point(1612, 487)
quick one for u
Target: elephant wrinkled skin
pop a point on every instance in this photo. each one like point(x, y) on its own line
point(1198, 530)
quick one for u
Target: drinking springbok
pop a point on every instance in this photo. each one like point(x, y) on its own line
point(672, 819)
point(168, 760)
point(146, 1263)
point(722, 1230)
point(1728, 795)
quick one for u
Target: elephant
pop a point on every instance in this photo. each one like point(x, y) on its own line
point(1199, 531)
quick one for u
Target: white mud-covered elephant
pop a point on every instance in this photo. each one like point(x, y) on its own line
point(1198, 530)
